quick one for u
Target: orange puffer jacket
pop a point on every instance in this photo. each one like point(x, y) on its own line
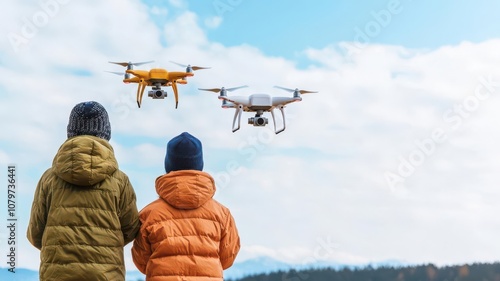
point(185, 234)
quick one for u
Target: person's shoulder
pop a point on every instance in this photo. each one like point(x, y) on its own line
point(155, 205)
point(151, 211)
point(49, 174)
point(218, 207)
point(120, 174)
point(121, 177)
point(219, 204)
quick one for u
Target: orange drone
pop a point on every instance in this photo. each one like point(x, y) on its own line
point(156, 78)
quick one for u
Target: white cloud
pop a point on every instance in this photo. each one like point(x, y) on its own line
point(178, 3)
point(159, 11)
point(213, 22)
point(184, 32)
point(4, 158)
point(322, 177)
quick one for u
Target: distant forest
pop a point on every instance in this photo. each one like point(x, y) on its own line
point(472, 272)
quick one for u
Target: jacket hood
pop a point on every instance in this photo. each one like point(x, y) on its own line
point(84, 160)
point(185, 189)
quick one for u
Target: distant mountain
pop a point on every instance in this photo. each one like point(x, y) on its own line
point(255, 266)
point(263, 265)
point(387, 263)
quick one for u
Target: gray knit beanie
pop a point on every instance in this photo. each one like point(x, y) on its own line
point(89, 118)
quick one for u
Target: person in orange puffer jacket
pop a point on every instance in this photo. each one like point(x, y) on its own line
point(185, 234)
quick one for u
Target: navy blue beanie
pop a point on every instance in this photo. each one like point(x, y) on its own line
point(184, 152)
point(89, 118)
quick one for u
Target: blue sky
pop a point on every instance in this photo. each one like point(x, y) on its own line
point(286, 28)
point(396, 147)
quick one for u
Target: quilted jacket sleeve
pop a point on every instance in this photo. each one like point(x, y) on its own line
point(230, 242)
point(141, 250)
point(38, 217)
point(129, 216)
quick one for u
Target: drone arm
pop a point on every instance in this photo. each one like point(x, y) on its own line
point(139, 73)
point(277, 101)
point(174, 76)
point(134, 79)
point(237, 114)
point(236, 100)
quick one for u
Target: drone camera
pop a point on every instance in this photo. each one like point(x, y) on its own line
point(157, 94)
point(258, 121)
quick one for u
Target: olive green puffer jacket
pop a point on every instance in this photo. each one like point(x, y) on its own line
point(84, 211)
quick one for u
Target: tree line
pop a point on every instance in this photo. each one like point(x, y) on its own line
point(427, 272)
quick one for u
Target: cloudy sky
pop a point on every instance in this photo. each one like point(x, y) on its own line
point(394, 159)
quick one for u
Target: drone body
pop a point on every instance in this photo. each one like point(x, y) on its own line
point(258, 103)
point(155, 78)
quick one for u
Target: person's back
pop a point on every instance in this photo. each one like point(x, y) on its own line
point(185, 234)
point(84, 208)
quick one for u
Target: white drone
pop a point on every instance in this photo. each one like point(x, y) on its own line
point(258, 103)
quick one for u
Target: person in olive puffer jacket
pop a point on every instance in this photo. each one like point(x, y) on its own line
point(84, 208)
point(185, 234)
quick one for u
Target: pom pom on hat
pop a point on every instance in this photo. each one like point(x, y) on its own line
point(89, 118)
point(184, 152)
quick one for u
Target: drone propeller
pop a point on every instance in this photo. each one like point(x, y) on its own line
point(117, 73)
point(130, 65)
point(189, 68)
point(124, 74)
point(295, 90)
point(218, 90)
point(223, 93)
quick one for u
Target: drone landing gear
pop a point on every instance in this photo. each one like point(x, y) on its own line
point(140, 91)
point(176, 94)
point(282, 109)
point(258, 120)
point(237, 115)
